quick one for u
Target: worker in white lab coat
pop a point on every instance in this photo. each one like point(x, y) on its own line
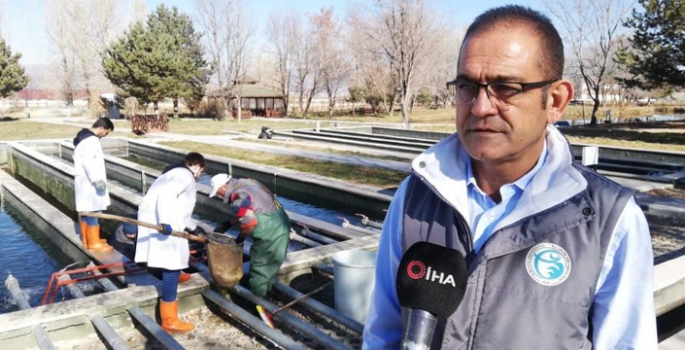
point(169, 203)
point(90, 182)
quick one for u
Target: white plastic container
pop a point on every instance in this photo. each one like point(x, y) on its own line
point(355, 272)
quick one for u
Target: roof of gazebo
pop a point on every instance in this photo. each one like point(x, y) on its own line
point(248, 91)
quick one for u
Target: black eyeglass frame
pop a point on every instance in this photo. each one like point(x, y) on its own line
point(524, 87)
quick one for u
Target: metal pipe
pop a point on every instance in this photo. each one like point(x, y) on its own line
point(12, 284)
point(146, 321)
point(306, 241)
point(233, 310)
point(154, 329)
point(107, 332)
point(292, 321)
point(104, 282)
point(321, 308)
point(99, 322)
point(40, 335)
point(73, 289)
point(367, 222)
point(305, 232)
point(347, 225)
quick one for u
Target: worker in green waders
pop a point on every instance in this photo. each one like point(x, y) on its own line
point(263, 218)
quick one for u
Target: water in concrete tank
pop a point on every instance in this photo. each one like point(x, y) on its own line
point(323, 214)
point(29, 256)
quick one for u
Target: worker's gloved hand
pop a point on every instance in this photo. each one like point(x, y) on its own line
point(166, 229)
point(100, 186)
point(198, 231)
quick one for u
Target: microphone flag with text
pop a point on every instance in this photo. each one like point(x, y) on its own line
point(431, 282)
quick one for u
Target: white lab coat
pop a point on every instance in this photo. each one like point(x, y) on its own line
point(89, 167)
point(170, 200)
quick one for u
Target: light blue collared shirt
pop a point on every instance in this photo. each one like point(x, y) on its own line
point(484, 213)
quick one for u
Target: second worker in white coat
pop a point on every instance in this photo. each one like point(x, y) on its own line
point(90, 182)
point(169, 203)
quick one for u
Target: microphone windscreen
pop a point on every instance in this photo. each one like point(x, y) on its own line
point(431, 278)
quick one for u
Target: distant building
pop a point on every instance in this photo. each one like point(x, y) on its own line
point(256, 100)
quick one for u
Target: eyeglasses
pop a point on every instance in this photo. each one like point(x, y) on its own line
point(465, 92)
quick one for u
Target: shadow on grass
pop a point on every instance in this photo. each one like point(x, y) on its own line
point(8, 119)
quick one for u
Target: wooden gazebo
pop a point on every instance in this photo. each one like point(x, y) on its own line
point(256, 101)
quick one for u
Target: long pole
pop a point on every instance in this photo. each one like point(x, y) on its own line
point(181, 234)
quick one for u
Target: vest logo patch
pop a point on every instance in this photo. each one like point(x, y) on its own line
point(548, 264)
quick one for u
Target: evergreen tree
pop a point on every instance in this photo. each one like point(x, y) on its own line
point(128, 64)
point(162, 59)
point(656, 58)
point(12, 76)
point(180, 53)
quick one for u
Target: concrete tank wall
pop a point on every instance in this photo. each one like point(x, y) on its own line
point(430, 135)
point(291, 184)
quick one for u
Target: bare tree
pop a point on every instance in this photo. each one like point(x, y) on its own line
point(58, 21)
point(282, 34)
point(405, 31)
point(442, 65)
point(307, 64)
point(371, 67)
point(592, 29)
point(228, 31)
point(334, 66)
point(80, 32)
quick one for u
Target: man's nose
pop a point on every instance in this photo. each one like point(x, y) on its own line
point(483, 104)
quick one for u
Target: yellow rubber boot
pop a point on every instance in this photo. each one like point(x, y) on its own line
point(84, 236)
point(168, 311)
point(96, 244)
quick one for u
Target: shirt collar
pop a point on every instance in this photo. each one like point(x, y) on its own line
point(522, 182)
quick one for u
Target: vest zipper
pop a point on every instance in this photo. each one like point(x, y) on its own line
point(464, 227)
point(470, 255)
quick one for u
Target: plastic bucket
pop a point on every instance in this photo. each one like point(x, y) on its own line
point(355, 272)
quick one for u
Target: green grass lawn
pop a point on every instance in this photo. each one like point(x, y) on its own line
point(353, 173)
point(25, 130)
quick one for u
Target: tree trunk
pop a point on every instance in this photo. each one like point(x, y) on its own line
point(405, 115)
point(390, 107)
point(175, 99)
point(240, 107)
point(593, 120)
point(306, 108)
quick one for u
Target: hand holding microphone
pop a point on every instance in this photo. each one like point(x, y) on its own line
point(431, 282)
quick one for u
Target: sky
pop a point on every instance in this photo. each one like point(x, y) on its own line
point(22, 22)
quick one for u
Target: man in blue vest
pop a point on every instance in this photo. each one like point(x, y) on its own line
point(558, 256)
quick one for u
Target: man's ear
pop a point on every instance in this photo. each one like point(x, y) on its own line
point(559, 96)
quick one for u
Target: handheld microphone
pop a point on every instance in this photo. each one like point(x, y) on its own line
point(431, 282)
